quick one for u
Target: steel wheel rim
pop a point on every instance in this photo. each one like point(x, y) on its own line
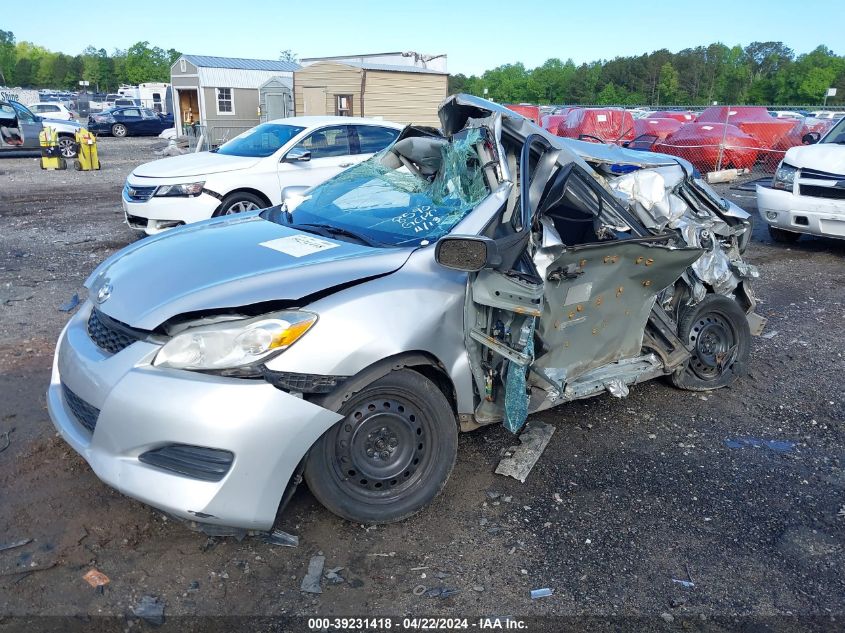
point(382, 449)
point(119, 130)
point(241, 206)
point(66, 147)
point(714, 342)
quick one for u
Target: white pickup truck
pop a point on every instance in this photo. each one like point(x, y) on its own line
point(808, 189)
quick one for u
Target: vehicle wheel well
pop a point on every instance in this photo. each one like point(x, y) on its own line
point(423, 363)
point(254, 192)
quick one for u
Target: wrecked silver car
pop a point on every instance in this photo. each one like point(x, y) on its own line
point(459, 278)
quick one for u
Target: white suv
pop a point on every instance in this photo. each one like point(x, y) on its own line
point(250, 171)
point(808, 189)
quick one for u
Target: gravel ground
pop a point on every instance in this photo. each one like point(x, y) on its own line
point(629, 495)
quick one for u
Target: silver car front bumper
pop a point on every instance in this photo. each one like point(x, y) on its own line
point(142, 408)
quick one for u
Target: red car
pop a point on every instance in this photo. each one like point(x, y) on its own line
point(753, 120)
point(649, 131)
point(703, 143)
point(551, 122)
point(530, 112)
point(603, 125)
point(677, 115)
point(794, 138)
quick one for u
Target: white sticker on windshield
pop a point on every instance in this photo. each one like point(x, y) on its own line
point(299, 245)
point(601, 118)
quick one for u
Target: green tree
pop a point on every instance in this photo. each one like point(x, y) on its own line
point(7, 57)
point(286, 55)
point(668, 86)
point(148, 63)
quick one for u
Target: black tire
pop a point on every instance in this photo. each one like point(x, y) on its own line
point(239, 202)
point(390, 456)
point(717, 332)
point(782, 236)
point(67, 147)
point(119, 130)
point(77, 165)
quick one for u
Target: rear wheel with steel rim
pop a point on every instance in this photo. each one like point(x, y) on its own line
point(119, 130)
point(717, 333)
point(390, 455)
point(239, 202)
point(67, 146)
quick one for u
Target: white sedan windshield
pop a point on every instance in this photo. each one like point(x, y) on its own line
point(260, 141)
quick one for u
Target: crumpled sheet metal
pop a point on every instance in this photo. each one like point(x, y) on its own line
point(650, 194)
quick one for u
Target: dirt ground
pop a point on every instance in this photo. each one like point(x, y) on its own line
point(629, 495)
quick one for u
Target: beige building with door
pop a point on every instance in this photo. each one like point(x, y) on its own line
point(404, 94)
point(224, 93)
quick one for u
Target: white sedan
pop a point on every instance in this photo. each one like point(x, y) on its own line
point(250, 171)
point(55, 111)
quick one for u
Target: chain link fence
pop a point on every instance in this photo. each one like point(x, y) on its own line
point(750, 139)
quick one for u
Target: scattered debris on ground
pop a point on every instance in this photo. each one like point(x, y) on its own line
point(311, 581)
point(519, 460)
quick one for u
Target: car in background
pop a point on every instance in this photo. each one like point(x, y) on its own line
point(807, 195)
point(132, 121)
point(828, 114)
point(250, 171)
point(787, 114)
point(126, 102)
point(20, 127)
point(54, 111)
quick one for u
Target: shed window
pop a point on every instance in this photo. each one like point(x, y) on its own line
point(225, 105)
point(343, 105)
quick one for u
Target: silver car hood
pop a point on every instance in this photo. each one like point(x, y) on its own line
point(198, 268)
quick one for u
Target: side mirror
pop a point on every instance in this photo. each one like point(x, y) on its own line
point(811, 138)
point(297, 155)
point(293, 196)
point(469, 253)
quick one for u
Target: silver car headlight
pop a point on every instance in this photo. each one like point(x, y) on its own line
point(784, 177)
point(234, 343)
point(188, 189)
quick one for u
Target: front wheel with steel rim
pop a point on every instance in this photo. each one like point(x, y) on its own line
point(119, 130)
point(716, 332)
point(391, 454)
point(239, 202)
point(67, 146)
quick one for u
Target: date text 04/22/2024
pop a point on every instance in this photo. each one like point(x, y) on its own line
point(416, 624)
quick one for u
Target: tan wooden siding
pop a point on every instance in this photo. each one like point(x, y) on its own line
point(404, 97)
point(337, 79)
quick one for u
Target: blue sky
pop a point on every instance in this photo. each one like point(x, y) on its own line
point(476, 35)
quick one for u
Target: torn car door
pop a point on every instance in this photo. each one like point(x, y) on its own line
point(577, 299)
point(598, 298)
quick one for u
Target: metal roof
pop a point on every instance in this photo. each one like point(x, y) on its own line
point(206, 61)
point(388, 67)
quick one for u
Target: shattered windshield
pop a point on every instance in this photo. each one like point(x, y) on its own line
point(401, 205)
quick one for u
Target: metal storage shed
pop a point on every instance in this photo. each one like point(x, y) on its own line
point(223, 93)
point(404, 94)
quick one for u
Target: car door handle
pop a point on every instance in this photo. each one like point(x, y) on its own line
point(346, 164)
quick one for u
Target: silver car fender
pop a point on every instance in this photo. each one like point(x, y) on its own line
point(417, 309)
